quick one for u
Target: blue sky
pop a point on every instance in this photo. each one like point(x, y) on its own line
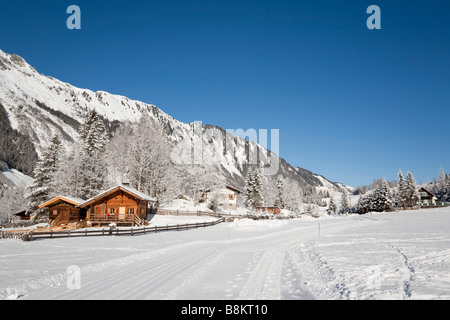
point(352, 104)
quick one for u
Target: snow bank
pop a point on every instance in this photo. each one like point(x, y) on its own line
point(184, 205)
point(260, 224)
point(164, 220)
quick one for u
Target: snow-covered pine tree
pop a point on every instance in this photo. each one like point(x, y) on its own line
point(43, 186)
point(279, 201)
point(412, 196)
point(93, 138)
point(253, 188)
point(344, 201)
point(331, 207)
point(363, 204)
point(257, 191)
point(381, 199)
point(249, 186)
point(402, 189)
point(92, 134)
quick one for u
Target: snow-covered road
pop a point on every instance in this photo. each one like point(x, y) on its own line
point(403, 255)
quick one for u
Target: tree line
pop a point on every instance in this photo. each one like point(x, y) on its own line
point(138, 154)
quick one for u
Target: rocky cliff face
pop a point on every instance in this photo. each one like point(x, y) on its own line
point(40, 106)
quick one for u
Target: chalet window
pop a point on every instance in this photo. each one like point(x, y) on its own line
point(131, 211)
point(232, 197)
point(111, 211)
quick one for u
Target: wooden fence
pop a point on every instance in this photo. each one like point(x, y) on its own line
point(186, 213)
point(196, 213)
point(118, 232)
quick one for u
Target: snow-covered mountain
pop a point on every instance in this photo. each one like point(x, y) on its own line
point(40, 106)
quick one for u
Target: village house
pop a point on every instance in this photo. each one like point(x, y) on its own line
point(427, 198)
point(226, 196)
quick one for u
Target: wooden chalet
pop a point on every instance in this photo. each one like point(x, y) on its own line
point(64, 210)
point(121, 205)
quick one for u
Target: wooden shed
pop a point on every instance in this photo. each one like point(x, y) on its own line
point(120, 205)
point(64, 210)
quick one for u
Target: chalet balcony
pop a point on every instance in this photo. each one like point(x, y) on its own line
point(118, 219)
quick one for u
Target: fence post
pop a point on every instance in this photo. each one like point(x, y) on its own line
point(31, 235)
point(178, 227)
point(156, 229)
point(131, 231)
point(68, 233)
point(51, 234)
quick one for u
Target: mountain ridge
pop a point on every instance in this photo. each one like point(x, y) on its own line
point(40, 106)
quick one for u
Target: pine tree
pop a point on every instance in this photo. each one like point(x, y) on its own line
point(253, 188)
point(257, 191)
point(331, 207)
point(344, 201)
point(44, 186)
point(91, 172)
point(412, 196)
point(402, 190)
point(248, 194)
point(382, 199)
point(362, 206)
point(279, 202)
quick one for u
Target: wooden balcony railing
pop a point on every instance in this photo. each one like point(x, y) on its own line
point(121, 218)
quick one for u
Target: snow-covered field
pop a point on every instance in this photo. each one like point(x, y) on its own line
point(398, 255)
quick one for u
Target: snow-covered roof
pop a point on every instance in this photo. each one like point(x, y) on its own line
point(127, 189)
point(426, 190)
point(68, 199)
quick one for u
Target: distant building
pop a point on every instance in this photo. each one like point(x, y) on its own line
point(226, 196)
point(272, 210)
point(427, 198)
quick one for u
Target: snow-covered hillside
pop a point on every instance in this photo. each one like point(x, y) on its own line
point(396, 255)
point(40, 106)
point(17, 178)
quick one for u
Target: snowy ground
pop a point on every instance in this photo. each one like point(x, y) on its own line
point(399, 255)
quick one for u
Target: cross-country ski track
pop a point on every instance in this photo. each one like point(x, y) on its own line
point(397, 255)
